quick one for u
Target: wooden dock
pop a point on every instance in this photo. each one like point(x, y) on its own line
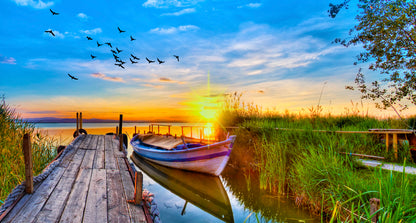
point(91, 183)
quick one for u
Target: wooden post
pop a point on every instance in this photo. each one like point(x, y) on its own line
point(80, 120)
point(169, 129)
point(158, 129)
point(191, 131)
point(120, 132)
point(77, 122)
point(27, 152)
point(116, 130)
point(138, 186)
point(395, 145)
point(149, 128)
point(182, 130)
point(387, 142)
point(135, 130)
point(374, 206)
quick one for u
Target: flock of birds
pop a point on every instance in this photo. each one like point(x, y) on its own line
point(115, 51)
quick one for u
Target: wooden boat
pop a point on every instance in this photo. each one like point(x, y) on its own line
point(204, 191)
point(186, 154)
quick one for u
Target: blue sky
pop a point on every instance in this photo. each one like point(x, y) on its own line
point(277, 53)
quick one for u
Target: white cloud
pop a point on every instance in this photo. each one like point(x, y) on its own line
point(7, 60)
point(92, 31)
point(33, 3)
point(82, 16)
point(181, 12)
point(107, 78)
point(170, 3)
point(171, 30)
point(251, 5)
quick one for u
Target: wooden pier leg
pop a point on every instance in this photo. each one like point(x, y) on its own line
point(138, 187)
point(135, 130)
point(395, 145)
point(374, 206)
point(27, 152)
point(77, 122)
point(191, 131)
point(80, 120)
point(120, 142)
point(387, 142)
point(169, 129)
point(116, 130)
point(182, 130)
point(158, 129)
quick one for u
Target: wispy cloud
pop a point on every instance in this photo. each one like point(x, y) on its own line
point(181, 12)
point(107, 78)
point(251, 5)
point(91, 31)
point(170, 3)
point(82, 16)
point(7, 60)
point(165, 79)
point(33, 3)
point(153, 86)
point(171, 30)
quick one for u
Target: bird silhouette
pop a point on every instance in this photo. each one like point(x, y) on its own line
point(109, 44)
point(132, 61)
point(177, 57)
point(53, 13)
point(131, 38)
point(72, 77)
point(120, 65)
point(134, 57)
point(121, 31)
point(115, 56)
point(50, 31)
point(119, 51)
point(92, 56)
point(160, 61)
point(150, 61)
point(114, 52)
point(89, 38)
point(98, 44)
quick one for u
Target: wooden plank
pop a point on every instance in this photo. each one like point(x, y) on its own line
point(117, 203)
point(33, 206)
point(69, 156)
point(99, 154)
point(136, 211)
point(54, 207)
point(93, 143)
point(74, 208)
point(110, 161)
point(116, 151)
point(85, 143)
point(96, 206)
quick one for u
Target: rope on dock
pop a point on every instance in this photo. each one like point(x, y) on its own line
point(19, 189)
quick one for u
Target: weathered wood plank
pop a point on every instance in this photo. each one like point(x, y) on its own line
point(117, 203)
point(75, 205)
point(110, 161)
point(68, 157)
point(96, 206)
point(93, 143)
point(54, 207)
point(32, 207)
point(136, 212)
point(99, 154)
point(85, 143)
point(88, 160)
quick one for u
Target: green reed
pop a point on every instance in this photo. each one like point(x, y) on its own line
point(12, 170)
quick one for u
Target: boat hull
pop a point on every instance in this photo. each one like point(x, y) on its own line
point(210, 159)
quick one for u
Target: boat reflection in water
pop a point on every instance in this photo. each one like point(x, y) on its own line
point(202, 190)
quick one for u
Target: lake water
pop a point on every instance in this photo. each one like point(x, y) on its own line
point(184, 196)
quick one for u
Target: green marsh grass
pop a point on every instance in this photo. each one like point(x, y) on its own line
point(12, 170)
point(307, 165)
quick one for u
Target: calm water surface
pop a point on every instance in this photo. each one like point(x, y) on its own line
point(192, 197)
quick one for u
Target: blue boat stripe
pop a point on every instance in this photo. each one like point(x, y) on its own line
point(209, 156)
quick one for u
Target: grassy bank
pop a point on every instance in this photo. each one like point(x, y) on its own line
point(308, 166)
point(12, 170)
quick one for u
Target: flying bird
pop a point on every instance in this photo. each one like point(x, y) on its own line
point(120, 65)
point(115, 57)
point(121, 31)
point(98, 44)
point(131, 38)
point(50, 31)
point(134, 57)
point(53, 13)
point(132, 61)
point(114, 52)
point(119, 51)
point(177, 57)
point(89, 38)
point(92, 56)
point(72, 77)
point(109, 44)
point(150, 61)
point(160, 61)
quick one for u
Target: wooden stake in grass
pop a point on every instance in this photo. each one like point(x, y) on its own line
point(27, 152)
point(374, 206)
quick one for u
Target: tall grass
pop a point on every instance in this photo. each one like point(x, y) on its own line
point(308, 165)
point(12, 170)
